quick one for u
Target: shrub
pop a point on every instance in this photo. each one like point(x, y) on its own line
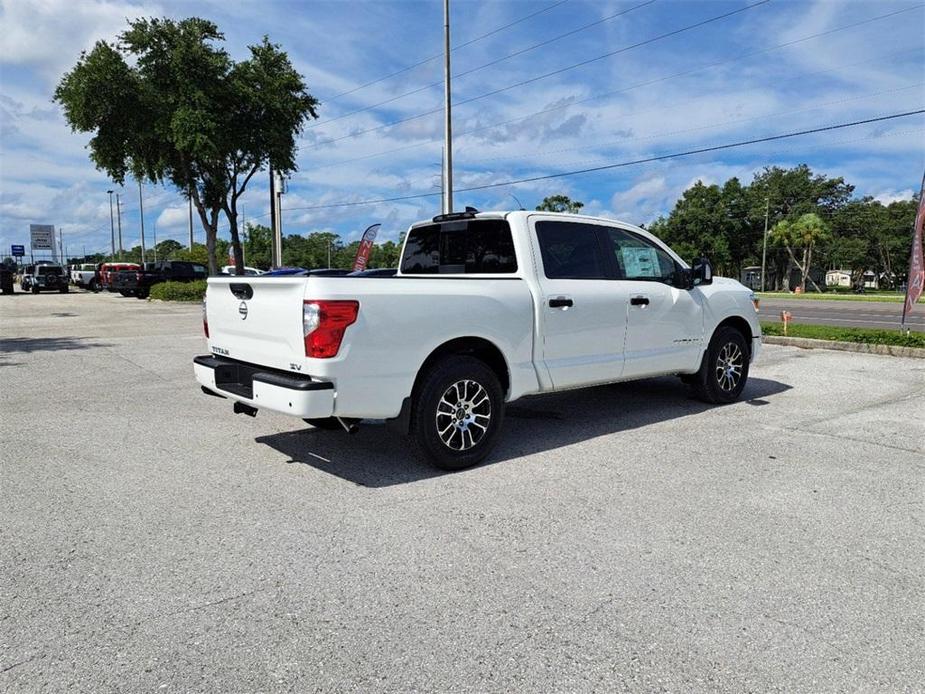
point(179, 291)
point(864, 335)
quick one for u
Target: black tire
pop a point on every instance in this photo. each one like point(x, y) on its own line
point(64, 290)
point(124, 293)
point(141, 294)
point(35, 288)
point(94, 286)
point(724, 370)
point(471, 429)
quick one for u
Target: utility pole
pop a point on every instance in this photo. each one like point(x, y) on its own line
point(277, 189)
point(764, 250)
point(190, 191)
point(119, 220)
point(112, 227)
point(155, 240)
point(63, 260)
point(141, 216)
point(447, 115)
point(275, 254)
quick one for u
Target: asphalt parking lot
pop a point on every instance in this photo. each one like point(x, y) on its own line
point(621, 538)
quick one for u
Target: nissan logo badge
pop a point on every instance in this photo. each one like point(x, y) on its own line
point(242, 309)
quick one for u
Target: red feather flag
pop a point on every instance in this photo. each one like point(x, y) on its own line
point(366, 247)
point(916, 262)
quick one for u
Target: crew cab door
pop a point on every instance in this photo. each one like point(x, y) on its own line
point(664, 330)
point(583, 311)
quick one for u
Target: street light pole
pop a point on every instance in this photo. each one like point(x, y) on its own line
point(112, 226)
point(764, 249)
point(119, 221)
point(141, 216)
point(190, 191)
point(447, 115)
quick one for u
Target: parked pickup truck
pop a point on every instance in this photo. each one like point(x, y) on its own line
point(139, 282)
point(107, 271)
point(484, 309)
point(84, 276)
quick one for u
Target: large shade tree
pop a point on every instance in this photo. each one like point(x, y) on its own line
point(166, 103)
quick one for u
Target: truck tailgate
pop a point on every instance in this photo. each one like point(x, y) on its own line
point(257, 320)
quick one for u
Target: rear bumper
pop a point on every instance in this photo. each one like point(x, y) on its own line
point(261, 387)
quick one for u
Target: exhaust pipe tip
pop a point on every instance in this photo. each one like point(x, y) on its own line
point(241, 408)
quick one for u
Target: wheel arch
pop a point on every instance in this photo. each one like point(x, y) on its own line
point(480, 348)
point(740, 324)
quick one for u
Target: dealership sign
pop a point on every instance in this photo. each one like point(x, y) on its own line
point(43, 237)
point(18, 251)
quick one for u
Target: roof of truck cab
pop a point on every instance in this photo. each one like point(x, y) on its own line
point(505, 214)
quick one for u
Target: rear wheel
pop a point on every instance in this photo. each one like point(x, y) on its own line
point(457, 413)
point(94, 286)
point(35, 288)
point(64, 290)
point(724, 370)
point(141, 294)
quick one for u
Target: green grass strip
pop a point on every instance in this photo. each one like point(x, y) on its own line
point(864, 335)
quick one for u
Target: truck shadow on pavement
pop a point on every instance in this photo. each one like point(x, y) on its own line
point(377, 457)
point(47, 344)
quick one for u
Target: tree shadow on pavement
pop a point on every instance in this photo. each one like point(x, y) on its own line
point(47, 344)
point(377, 457)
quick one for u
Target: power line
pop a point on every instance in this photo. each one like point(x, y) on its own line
point(734, 121)
point(455, 48)
point(483, 66)
point(660, 107)
point(645, 160)
point(560, 71)
point(663, 78)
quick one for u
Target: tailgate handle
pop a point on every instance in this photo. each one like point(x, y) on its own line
point(241, 290)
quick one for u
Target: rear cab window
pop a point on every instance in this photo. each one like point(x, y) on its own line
point(465, 246)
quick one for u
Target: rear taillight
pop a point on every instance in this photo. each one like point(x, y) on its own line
point(205, 319)
point(323, 325)
point(138, 276)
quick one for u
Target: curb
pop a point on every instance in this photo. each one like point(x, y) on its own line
point(862, 347)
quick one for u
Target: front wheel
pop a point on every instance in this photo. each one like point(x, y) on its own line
point(724, 369)
point(64, 290)
point(35, 288)
point(457, 413)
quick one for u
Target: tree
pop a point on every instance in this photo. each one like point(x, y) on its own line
point(560, 203)
point(166, 247)
point(167, 104)
point(803, 234)
point(258, 241)
point(697, 226)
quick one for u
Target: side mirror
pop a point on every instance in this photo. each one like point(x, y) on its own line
point(682, 278)
point(701, 272)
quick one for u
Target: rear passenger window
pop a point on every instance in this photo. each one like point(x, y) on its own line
point(467, 246)
point(571, 250)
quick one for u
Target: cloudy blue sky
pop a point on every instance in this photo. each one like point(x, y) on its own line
point(776, 67)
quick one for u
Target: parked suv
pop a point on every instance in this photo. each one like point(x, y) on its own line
point(44, 277)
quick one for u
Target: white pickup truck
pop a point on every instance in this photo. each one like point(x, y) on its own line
point(484, 309)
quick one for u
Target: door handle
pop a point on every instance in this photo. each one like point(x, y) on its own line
point(561, 302)
point(639, 301)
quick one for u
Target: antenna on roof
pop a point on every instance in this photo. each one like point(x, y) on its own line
point(517, 201)
point(471, 210)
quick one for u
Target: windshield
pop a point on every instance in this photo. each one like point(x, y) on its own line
point(46, 270)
